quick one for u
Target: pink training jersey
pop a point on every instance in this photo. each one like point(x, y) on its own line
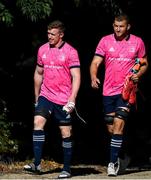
point(57, 63)
point(119, 58)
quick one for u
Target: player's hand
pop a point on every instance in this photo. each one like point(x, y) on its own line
point(95, 83)
point(69, 107)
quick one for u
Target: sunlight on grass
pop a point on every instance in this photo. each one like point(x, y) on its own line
point(17, 167)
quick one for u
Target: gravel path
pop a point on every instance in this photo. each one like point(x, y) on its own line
point(82, 172)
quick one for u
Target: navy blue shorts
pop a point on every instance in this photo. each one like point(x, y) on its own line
point(111, 103)
point(46, 108)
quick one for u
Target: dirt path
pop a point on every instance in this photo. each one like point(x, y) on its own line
point(82, 172)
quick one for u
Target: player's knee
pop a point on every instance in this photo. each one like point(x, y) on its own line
point(39, 122)
point(66, 131)
point(122, 113)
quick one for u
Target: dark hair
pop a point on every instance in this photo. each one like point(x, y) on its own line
point(122, 16)
point(57, 24)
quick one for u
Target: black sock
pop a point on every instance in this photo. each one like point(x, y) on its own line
point(67, 152)
point(116, 142)
point(38, 141)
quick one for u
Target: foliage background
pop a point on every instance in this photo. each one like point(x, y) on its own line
point(23, 26)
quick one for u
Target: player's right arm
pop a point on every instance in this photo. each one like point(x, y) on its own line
point(38, 78)
point(97, 60)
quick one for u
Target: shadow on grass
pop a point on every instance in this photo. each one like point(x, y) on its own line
point(137, 169)
point(78, 171)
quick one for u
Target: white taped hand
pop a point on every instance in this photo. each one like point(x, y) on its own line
point(69, 107)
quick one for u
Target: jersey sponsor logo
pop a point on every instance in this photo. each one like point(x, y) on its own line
point(53, 66)
point(119, 59)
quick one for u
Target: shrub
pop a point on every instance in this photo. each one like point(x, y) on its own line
point(8, 145)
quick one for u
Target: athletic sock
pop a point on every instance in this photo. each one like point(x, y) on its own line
point(38, 141)
point(116, 142)
point(67, 153)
